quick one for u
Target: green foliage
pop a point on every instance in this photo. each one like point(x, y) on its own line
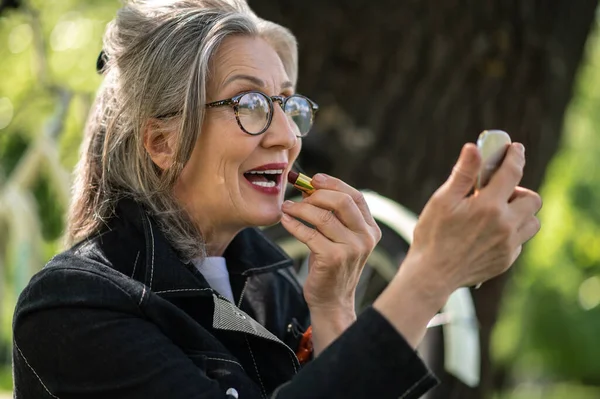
point(12, 146)
point(5, 378)
point(50, 212)
point(551, 320)
point(46, 45)
point(546, 390)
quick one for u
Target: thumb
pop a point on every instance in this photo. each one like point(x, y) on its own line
point(464, 173)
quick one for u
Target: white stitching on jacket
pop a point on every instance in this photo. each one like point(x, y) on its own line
point(264, 391)
point(152, 265)
point(36, 374)
point(264, 267)
point(239, 305)
point(183, 289)
point(135, 264)
point(225, 360)
point(142, 297)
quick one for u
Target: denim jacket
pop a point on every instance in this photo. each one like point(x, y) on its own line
point(119, 315)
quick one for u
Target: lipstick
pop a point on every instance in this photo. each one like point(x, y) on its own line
point(301, 182)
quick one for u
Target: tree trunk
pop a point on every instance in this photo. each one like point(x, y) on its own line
point(403, 85)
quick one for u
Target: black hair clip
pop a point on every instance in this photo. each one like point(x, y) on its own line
point(101, 62)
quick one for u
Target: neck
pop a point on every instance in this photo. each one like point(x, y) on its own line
point(217, 249)
point(218, 241)
point(217, 235)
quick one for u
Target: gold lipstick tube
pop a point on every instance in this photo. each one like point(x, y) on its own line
point(301, 182)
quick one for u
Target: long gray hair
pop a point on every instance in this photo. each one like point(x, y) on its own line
point(158, 54)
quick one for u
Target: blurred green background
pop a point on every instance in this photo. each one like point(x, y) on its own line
point(547, 341)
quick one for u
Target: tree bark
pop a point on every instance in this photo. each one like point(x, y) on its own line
point(403, 85)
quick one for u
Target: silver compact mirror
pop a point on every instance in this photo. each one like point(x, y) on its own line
point(492, 145)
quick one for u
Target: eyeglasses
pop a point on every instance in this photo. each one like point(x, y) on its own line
point(254, 111)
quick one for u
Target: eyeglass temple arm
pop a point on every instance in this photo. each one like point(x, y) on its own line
point(220, 103)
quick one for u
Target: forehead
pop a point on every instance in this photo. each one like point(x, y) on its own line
point(245, 55)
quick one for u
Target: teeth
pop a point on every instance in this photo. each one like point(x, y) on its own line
point(268, 172)
point(264, 183)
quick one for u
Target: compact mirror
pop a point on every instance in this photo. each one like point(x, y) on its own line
point(492, 145)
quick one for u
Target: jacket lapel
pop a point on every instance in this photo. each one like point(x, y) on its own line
point(162, 272)
point(254, 328)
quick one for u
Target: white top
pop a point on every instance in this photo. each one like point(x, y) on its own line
point(214, 270)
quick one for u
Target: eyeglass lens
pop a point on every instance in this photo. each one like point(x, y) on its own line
point(254, 112)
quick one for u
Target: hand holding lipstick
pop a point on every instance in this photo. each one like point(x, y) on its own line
point(341, 241)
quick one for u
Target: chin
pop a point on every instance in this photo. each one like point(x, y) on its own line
point(265, 218)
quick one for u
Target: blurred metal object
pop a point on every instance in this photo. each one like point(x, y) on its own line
point(458, 320)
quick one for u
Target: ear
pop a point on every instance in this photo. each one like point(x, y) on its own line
point(159, 142)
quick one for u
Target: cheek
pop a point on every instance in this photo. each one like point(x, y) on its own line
point(223, 145)
point(294, 152)
point(185, 184)
point(193, 174)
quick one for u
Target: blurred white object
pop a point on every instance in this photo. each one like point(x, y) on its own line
point(462, 356)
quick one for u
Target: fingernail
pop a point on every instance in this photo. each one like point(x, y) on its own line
point(319, 178)
point(287, 204)
point(521, 148)
point(286, 217)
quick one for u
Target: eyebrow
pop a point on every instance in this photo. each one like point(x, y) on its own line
point(256, 81)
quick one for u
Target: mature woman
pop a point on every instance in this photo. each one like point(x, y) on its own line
point(170, 290)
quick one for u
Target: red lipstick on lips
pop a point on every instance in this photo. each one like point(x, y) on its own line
point(266, 178)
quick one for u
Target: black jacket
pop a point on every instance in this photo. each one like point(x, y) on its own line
point(120, 316)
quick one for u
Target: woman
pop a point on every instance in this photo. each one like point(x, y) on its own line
point(170, 290)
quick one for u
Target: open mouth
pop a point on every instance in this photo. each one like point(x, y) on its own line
point(264, 178)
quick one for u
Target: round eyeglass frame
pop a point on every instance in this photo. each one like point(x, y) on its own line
point(282, 100)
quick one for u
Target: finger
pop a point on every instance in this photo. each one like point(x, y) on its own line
point(343, 205)
point(314, 240)
point(526, 203)
point(464, 174)
point(326, 222)
point(519, 192)
point(528, 229)
point(323, 181)
point(509, 174)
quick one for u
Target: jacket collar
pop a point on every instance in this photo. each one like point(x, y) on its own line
point(157, 265)
point(251, 253)
point(133, 244)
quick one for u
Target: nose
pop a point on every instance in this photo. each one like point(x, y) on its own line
point(282, 132)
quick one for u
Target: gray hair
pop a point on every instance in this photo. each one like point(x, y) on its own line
point(158, 55)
